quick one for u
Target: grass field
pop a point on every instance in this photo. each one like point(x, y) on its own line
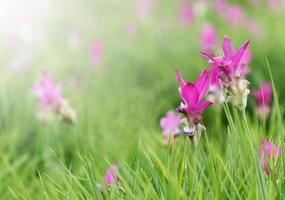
point(120, 97)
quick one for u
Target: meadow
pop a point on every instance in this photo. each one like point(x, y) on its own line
point(85, 88)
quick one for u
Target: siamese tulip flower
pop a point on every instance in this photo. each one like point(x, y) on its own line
point(193, 103)
point(231, 72)
point(48, 93)
point(51, 101)
point(208, 38)
point(111, 176)
point(263, 98)
point(170, 126)
point(269, 154)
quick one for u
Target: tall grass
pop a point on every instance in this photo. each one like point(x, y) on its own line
point(119, 107)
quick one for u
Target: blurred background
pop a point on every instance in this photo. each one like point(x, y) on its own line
point(116, 61)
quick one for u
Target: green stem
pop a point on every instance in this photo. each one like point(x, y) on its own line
point(260, 178)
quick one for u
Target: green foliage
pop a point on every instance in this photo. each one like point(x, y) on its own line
point(119, 107)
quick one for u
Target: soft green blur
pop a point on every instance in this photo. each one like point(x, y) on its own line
point(119, 104)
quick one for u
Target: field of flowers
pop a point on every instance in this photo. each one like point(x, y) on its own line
point(142, 99)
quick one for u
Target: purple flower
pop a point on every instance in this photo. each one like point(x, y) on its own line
point(264, 94)
point(216, 91)
point(208, 38)
point(220, 7)
point(111, 176)
point(235, 14)
point(193, 104)
point(244, 63)
point(47, 92)
point(263, 98)
point(192, 96)
point(229, 63)
point(268, 153)
point(231, 71)
point(51, 101)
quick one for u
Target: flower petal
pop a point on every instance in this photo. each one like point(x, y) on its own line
point(203, 83)
point(180, 79)
point(228, 48)
point(209, 57)
point(190, 95)
point(239, 53)
point(203, 106)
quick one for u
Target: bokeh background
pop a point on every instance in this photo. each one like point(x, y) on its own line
point(121, 94)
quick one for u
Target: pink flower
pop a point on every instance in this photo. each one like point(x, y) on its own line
point(235, 14)
point(192, 96)
point(263, 97)
point(264, 94)
point(231, 72)
point(186, 15)
point(144, 8)
point(244, 63)
point(215, 81)
point(268, 153)
point(208, 38)
point(111, 175)
point(229, 64)
point(48, 93)
point(215, 92)
point(220, 7)
point(275, 4)
point(96, 51)
point(51, 102)
point(170, 124)
point(254, 28)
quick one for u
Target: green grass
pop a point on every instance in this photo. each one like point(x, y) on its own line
point(119, 107)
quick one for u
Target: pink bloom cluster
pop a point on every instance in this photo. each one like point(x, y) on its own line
point(234, 14)
point(269, 154)
point(51, 100)
point(229, 71)
point(226, 74)
point(263, 98)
